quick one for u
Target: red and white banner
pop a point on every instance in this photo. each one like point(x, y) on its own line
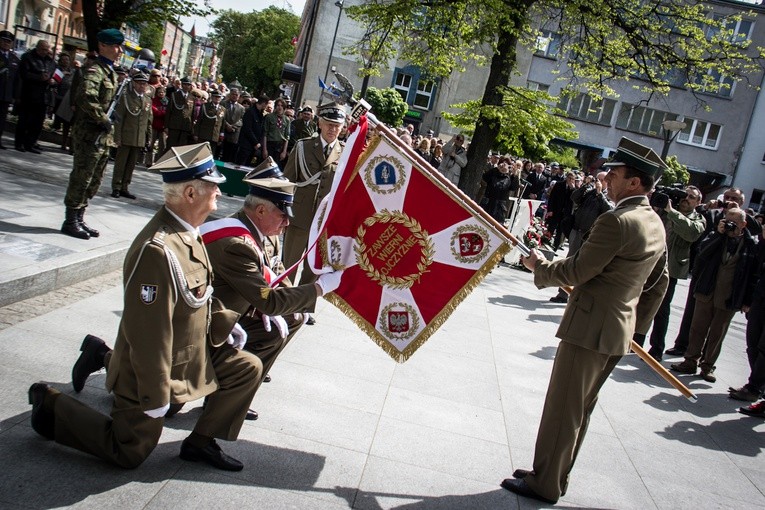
point(410, 248)
point(58, 75)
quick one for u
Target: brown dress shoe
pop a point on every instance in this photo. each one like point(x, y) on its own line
point(686, 367)
point(521, 488)
point(744, 393)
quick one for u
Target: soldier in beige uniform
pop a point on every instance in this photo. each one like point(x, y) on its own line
point(210, 120)
point(245, 254)
point(179, 121)
point(311, 166)
point(175, 342)
point(619, 277)
point(132, 131)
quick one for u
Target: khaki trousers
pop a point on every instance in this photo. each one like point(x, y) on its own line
point(576, 379)
point(128, 436)
point(708, 329)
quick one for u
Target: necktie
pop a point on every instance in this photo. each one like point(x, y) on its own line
point(327, 150)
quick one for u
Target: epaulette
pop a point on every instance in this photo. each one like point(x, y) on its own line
point(159, 236)
point(91, 69)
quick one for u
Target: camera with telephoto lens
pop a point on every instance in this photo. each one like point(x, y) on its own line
point(728, 226)
point(662, 195)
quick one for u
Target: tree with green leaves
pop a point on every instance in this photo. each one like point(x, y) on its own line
point(656, 41)
point(675, 173)
point(253, 46)
point(152, 37)
point(388, 105)
point(100, 14)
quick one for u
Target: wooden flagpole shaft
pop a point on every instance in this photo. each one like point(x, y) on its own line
point(478, 211)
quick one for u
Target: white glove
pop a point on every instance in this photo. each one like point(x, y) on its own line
point(158, 413)
point(281, 324)
point(238, 337)
point(329, 281)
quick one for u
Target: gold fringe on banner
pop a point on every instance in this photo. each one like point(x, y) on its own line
point(386, 345)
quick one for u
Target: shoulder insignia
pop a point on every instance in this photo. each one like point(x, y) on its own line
point(91, 69)
point(159, 236)
point(148, 293)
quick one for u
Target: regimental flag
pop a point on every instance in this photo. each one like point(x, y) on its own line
point(411, 249)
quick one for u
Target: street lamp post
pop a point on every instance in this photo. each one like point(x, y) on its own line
point(670, 129)
point(339, 5)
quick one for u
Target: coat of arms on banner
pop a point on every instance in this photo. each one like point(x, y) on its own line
point(411, 249)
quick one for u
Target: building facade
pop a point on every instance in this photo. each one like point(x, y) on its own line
point(715, 144)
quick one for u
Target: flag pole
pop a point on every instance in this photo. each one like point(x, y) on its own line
point(478, 211)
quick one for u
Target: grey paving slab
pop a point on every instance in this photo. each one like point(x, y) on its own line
point(342, 425)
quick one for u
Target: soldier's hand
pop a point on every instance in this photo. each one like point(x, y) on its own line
point(531, 261)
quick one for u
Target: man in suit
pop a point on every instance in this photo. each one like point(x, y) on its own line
point(132, 132)
point(245, 254)
point(622, 263)
point(311, 166)
point(9, 67)
point(232, 124)
point(175, 342)
point(251, 134)
point(537, 183)
point(35, 72)
point(179, 120)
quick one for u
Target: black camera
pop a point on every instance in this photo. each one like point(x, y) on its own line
point(729, 226)
point(662, 195)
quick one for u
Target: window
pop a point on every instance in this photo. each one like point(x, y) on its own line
point(424, 94)
point(548, 44)
point(700, 133)
point(402, 84)
point(757, 201)
point(537, 87)
point(738, 31)
point(585, 107)
point(3, 8)
point(715, 83)
point(641, 119)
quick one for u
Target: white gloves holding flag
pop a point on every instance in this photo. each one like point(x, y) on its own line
point(328, 282)
point(238, 337)
point(279, 321)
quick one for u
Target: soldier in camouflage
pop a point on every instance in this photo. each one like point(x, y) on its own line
point(91, 133)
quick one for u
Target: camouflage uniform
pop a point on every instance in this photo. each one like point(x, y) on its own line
point(90, 140)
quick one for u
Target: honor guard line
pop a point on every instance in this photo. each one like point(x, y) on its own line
point(478, 211)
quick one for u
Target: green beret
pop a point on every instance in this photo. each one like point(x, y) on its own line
point(110, 36)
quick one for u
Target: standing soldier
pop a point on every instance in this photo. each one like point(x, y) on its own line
point(311, 167)
point(91, 132)
point(132, 131)
point(210, 121)
point(9, 66)
point(179, 122)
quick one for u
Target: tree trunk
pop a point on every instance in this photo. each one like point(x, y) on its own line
point(502, 64)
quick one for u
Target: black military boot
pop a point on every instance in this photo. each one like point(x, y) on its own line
point(72, 227)
point(93, 355)
point(80, 217)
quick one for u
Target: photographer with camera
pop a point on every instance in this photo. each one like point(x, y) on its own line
point(713, 211)
point(683, 227)
point(724, 276)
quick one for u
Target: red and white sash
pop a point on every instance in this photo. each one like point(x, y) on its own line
point(231, 227)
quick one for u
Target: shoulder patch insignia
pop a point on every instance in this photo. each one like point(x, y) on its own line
point(148, 294)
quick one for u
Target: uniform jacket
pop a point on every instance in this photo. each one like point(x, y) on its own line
point(134, 117)
point(233, 113)
point(682, 232)
point(308, 196)
point(162, 352)
point(210, 122)
point(9, 68)
point(622, 262)
point(271, 130)
point(239, 281)
point(180, 112)
point(93, 96)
